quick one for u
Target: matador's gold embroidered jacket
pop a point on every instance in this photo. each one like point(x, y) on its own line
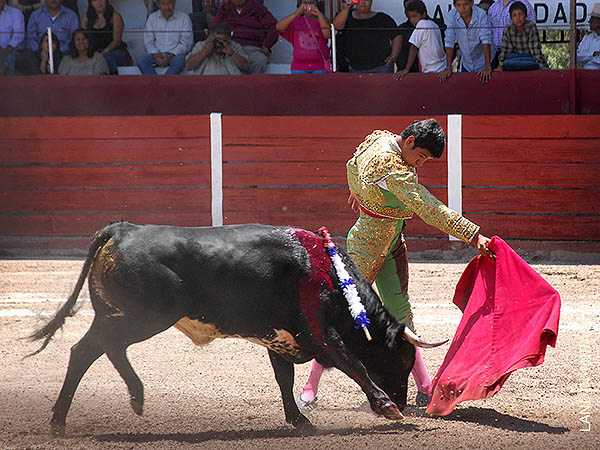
point(388, 187)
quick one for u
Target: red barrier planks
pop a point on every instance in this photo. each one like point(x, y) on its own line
point(104, 127)
point(532, 150)
point(106, 200)
point(93, 176)
point(530, 174)
point(24, 151)
point(524, 177)
point(515, 200)
point(279, 127)
point(531, 127)
point(539, 227)
point(84, 224)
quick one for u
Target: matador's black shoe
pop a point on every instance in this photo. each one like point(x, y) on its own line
point(422, 399)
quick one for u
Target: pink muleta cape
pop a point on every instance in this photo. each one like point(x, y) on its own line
point(510, 315)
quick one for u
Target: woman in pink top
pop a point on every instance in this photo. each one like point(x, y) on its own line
point(307, 29)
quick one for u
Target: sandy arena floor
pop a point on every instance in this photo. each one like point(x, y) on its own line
point(224, 395)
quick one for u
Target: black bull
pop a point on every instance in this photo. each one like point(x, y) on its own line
point(246, 281)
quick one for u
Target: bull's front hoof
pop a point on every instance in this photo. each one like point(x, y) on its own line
point(57, 428)
point(390, 411)
point(302, 423)
point(137, 406)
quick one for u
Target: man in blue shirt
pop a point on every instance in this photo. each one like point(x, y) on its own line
point(470, 27)
point(12, 35)
point(60, 19)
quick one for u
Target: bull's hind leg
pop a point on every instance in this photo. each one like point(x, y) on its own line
point(136, 389)
point(284, 374)
point(122, 331)
point(110, 335)
point(83, 354)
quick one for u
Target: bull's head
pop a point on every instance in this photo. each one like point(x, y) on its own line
point(389, 366)
point(390, 356)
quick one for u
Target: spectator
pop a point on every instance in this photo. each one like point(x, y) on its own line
point(60, 19)
point(426, 40)
point(406, 29)
point(27, 6)
point(253, 28)
point(485, 4)
point(38, 63)
point(211, 9)
point(202, 15)
point(12, 36)
point(588, 52)
point(43, 56)
point(521, 46)
point(370, 40)
point(217, 55)
point(499, 15)
point(81, 60)
point(105, 30)
point(167, 39)
point(469, 25)
point(308, 30)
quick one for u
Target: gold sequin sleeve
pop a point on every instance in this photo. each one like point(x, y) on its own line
point(417, 198)
point(352, 174)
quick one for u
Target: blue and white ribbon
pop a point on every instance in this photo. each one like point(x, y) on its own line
point(355, 306)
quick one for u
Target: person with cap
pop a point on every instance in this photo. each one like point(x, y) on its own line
point(588, 52)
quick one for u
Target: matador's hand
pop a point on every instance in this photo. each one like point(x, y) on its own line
point(353, 201)
point(480, 242)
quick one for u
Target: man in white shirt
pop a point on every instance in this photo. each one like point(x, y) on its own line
point(167, 40)
point(588, 52)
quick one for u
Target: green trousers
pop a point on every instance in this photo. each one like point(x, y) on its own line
point(378, 249)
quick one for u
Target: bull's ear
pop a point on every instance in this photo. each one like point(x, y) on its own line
point(395, 335)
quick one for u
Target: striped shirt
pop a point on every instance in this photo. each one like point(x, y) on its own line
point(526, 42)
point(499, 16)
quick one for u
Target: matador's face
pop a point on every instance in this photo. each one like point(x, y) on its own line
point(414, 156)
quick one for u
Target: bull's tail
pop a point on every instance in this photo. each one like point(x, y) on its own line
point(67, 309)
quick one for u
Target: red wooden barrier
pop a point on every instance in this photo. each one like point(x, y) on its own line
point(531, 179)
point(534, 92)
point(62, 178)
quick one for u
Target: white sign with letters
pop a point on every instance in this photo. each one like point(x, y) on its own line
point(549, 14)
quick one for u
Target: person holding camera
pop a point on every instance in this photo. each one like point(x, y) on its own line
point(307, 29)
point(217, 55)
point(253, 27)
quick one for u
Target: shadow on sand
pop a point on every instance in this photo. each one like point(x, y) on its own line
point(231, 435)
point(493, 418)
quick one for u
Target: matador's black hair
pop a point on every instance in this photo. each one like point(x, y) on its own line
point(428, 134)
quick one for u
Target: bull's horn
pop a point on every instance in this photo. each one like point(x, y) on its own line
point(416, 340)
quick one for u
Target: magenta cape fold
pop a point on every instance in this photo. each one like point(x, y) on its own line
point(510, 315)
